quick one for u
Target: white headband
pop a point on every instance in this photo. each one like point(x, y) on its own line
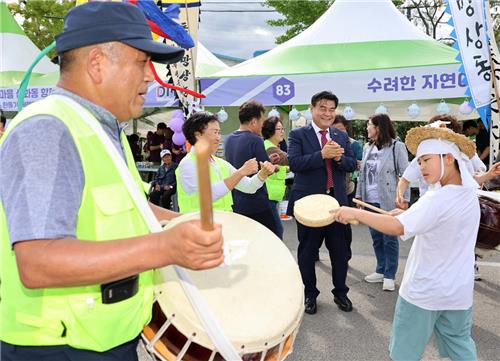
point(441, 146)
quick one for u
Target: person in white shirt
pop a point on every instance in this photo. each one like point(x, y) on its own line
point(475, 166)
point(205, 125)
point(437, 287)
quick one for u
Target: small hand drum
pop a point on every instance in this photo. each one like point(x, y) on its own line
point(314, 210)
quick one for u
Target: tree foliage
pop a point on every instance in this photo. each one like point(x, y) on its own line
point(297, 15)
point(41, 20)
point(427, 14)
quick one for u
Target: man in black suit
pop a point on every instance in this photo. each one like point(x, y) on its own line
point(320, 156)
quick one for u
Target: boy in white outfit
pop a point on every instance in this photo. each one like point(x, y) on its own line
point(437, 287)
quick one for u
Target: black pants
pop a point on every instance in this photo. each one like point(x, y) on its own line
point(265, 217)
point(337, 240)
point(125, 352)
point(162, 198)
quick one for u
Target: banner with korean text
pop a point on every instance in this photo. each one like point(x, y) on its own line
point(468, 20)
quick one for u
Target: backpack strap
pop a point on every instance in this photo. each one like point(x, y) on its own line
point(398, 175)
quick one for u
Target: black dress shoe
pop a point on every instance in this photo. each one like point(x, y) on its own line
point(310, 306)
point(343, 303)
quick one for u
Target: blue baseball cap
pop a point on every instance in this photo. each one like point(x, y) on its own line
point(101, 22)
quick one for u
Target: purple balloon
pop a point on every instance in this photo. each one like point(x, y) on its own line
point(178, 114)
point(176, 124)
point(178, 138)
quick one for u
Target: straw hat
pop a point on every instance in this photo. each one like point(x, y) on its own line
point(417, 135)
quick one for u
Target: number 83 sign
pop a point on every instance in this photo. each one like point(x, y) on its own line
point(283, 90)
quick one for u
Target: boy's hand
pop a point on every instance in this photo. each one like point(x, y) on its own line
point(396, 211)
point(344, 214)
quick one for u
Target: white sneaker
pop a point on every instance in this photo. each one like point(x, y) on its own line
point(375, 278)
point(388, 285)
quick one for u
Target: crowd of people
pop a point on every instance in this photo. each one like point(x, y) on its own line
point(78, 254)
point(323, 159)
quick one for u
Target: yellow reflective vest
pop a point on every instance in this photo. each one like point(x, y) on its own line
point(275, 183)
point(76, 316)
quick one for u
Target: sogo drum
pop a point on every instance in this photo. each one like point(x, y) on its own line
point(488, 237)
point(258, 300)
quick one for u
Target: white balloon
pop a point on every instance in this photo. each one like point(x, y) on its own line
point(294, 114)
point(308, 115)
point(349, 113)
point(413, 110)
point(273, 113)
point(442, 107)
point(222, 115)
point(381, 109)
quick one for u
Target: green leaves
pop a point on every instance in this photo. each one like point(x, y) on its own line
point(298, 15)
point(41, 20)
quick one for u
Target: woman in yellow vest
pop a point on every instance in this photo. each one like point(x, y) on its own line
point(223, 176)
point(273, 134)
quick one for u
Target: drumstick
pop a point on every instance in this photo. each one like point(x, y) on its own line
point(204, 187)
point(366, 205)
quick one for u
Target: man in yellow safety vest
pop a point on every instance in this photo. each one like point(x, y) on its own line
point(76, 251)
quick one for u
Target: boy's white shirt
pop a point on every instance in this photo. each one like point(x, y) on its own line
point(440, 267)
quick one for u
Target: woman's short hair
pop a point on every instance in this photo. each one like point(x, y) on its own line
point(386, 132)
point(454, 124)
point(197, 122)
point(269, 127)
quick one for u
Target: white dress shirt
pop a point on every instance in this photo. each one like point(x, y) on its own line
point(317, 130)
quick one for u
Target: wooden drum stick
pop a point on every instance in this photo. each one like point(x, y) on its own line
point(204, 188)
point(369, 206)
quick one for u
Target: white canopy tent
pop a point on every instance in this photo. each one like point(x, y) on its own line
point(366, 52)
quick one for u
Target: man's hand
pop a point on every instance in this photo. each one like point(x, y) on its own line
point(187, 245)
point(250, 167)
point(157, 187)
point(332, 150)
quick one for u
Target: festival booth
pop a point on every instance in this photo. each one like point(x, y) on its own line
point(367, 53)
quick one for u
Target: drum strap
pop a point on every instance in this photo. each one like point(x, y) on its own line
point(211, 325)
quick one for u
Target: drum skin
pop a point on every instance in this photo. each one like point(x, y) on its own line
point(488, 236)
point(258, 300)
point(314, 210)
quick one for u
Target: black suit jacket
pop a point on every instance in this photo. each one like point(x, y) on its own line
point(304, 158)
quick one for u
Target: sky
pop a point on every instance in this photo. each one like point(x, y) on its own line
point(237, 34)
